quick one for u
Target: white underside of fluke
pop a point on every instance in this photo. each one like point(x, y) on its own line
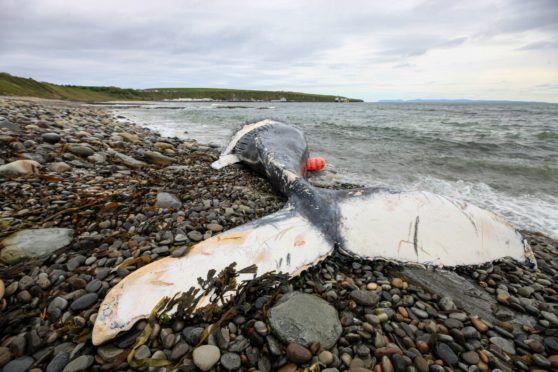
point(425, 228)
point(282, 242)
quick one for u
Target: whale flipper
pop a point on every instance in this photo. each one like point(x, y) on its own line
point(424, 228)
point(283, 241)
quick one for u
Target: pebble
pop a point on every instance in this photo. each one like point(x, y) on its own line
point(58, 362)
point(142, 352)
point(230, 361)
point(206, 356)
point(325, 357)
point(81, 363)
point(84, 301)
point(470, 357)
point(19, 364)
point(298, 354)
point(365, 298)
point(2, 289)
point(503, 344)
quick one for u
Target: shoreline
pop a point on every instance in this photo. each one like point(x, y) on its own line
point(106, 182)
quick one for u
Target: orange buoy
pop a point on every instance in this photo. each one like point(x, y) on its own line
point(315, 164)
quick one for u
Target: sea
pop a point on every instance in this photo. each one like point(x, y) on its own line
point(502, 157)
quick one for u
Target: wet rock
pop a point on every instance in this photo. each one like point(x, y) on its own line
point(34, 243)
point(294, 320)
point(167, 200)
point(206, 356)
point(20, 168)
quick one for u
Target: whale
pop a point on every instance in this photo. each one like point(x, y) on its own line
point(414, 227)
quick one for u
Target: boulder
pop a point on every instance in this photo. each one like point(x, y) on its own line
point(294, 320)
point(34, 243)
point(20, 168)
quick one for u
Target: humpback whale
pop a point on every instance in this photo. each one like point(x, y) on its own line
point(371, 223)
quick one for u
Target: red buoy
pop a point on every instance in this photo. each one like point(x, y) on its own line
point(315, 164)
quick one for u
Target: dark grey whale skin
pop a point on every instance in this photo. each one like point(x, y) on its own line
point(277, 149)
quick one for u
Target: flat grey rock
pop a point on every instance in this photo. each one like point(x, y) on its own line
point(167, 200)
point(34, 243)
point(294, 320)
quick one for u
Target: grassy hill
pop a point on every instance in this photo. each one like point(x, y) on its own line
point(18, 86)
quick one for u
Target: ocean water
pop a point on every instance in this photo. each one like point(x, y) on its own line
point(502, 157)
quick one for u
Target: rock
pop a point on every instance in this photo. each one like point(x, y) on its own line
point(206, 356)
point(325, 357)
point(59, 167)
point(195, 235)
point(167, 200)
point(51, 138)
point(20, 168)
point(2, 289)
point(34, 243)
point(298, 354)
point(502, 343)
point(142, 352)
point(5, 355)
point(84, 301)
point(81, 363)
point(58, 363)
point(470, 357)
point(19, 365)
point(230, 361)
point(128, 160)
point(215, 227)
point(365, 298)
point(129, 137)
point(447, 304)
point(154, 157)
point(109, 353)
point(79, 150)
point(541, 361)
point(446, 354)
point(294, 320)
point(479, 325)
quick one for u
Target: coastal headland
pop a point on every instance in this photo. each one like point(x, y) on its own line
point(89, 197)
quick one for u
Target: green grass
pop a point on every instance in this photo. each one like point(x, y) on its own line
point(17, 86)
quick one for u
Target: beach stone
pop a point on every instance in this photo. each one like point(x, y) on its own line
point(51, 138)
point(230, 361)
point(470, 357)
point(195, 235)
point(81, 363)
point(19, 365)
point(154, 157)
point(325, 357)
point(5, 355)
point(129, 137)
point(84, 301)
point(59, 361)
point(447, 304)
point(215, 227)
point(365, 298)
point(59, 167)
point(294, 320)
point(446, 354)
point(34, 243)
point(2, 289)
point(142, 352)
point(206, 356)
point(298, 354)
point(541, 360)
point(109, 353)
point(502, 343)
point(168, 200)
point(128, 160)
point(20, 168)
point(79, 150)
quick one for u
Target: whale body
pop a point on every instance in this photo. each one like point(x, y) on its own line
point(409, 227)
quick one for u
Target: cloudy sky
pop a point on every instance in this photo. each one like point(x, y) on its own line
point(480, 49)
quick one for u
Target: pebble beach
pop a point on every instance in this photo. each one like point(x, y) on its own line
point(89, 197)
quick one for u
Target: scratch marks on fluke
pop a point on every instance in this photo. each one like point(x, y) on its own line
point(415, 238)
